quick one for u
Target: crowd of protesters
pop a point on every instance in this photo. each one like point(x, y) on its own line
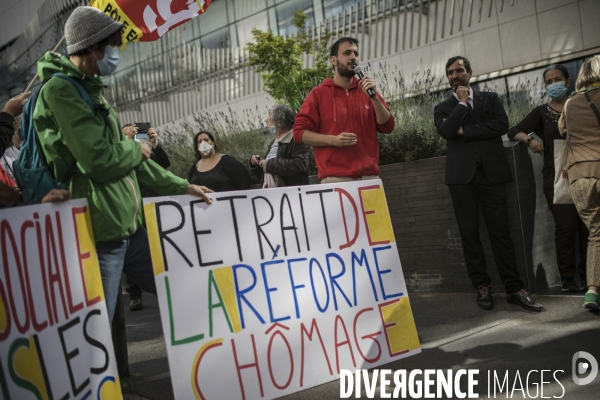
point(340, 118)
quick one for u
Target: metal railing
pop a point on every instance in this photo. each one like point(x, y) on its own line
point(172, 83)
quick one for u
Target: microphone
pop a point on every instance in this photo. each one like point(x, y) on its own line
point(360, 73)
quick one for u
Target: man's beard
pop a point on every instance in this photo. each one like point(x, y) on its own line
point(458, 82)
point(345, 71)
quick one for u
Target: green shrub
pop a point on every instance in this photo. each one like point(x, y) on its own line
point(524, 97)
point(278, 60)
point(415, 136)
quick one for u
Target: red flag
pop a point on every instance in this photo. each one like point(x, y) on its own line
point(148, 20)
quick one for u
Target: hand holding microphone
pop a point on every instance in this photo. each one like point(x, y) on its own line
point(366, 83)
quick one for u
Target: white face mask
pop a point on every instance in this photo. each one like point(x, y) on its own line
point(205, 148)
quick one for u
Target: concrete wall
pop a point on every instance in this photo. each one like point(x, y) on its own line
point(527, 32)
point(15, 16)
point(427, 235)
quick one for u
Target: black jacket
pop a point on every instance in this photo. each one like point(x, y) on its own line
point(159, 156)
point(290, 167)
point(482, 140)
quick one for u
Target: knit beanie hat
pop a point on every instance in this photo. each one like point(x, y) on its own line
point(87, 26)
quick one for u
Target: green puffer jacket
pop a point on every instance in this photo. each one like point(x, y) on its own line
point(110, 166)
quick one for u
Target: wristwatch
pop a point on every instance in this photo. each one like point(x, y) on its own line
point(529, 140)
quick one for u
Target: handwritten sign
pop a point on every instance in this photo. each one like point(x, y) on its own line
point(267, 292)
point(55, 340)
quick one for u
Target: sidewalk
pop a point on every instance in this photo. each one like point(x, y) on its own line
point(454, 333)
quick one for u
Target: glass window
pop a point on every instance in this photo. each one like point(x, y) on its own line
point(217, 40)
point(331, 8)
point(497, 85)
point(127, 58)
point(186, 31)
point(244, 8)
point(285, 15)
point(386, 5)
point(573, 67)
point(143, 49)
point(214, 18)
point(259, 21)
point(527, 87)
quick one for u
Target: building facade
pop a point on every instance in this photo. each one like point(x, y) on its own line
point(201, 65)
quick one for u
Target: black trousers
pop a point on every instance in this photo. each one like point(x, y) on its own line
point(134, 290)
point(491, 198)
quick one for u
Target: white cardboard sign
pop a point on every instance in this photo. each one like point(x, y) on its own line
point(268, 292)
point(55, 339)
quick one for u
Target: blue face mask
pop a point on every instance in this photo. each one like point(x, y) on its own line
point(272, 129)
point(557, 90)
point(109, 63)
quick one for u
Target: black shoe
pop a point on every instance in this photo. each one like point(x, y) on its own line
point(484, 297)
point(583, 286)
point(522, 298)
point(135, 304)
point(569, 285)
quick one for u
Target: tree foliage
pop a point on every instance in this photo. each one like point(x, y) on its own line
point(279, 61)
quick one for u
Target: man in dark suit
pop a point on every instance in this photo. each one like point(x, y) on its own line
point(476, 172)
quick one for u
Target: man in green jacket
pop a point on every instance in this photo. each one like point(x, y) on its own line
point(110, 167)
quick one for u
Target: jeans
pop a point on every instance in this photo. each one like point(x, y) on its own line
point(130, 255)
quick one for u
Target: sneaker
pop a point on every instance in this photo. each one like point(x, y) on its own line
point(591, 300)
point(569, 285)
point(135, 304)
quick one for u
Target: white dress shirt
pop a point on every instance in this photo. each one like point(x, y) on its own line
point(470, 99)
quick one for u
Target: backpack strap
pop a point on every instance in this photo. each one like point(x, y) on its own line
point(73, 169)
point(96, 108)
point(587, 96)
point(101, 108)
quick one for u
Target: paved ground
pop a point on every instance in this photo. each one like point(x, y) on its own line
point(454, 334)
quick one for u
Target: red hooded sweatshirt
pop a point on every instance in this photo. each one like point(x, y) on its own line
point(330, 109)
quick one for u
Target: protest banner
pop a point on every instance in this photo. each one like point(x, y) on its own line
point(55, 339)
point(267, 292)
point(149, 20)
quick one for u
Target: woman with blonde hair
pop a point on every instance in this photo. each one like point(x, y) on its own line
point(581, 118)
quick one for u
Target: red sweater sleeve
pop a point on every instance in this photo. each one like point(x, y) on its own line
point(388, 127)
point(307, 118)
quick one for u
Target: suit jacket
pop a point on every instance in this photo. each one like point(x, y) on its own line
point(483, 128)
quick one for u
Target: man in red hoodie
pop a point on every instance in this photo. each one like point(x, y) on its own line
point(341, 121)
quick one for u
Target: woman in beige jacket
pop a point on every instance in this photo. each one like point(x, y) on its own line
point(581, 119)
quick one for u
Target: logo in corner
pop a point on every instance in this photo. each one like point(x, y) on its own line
point(581, 367)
